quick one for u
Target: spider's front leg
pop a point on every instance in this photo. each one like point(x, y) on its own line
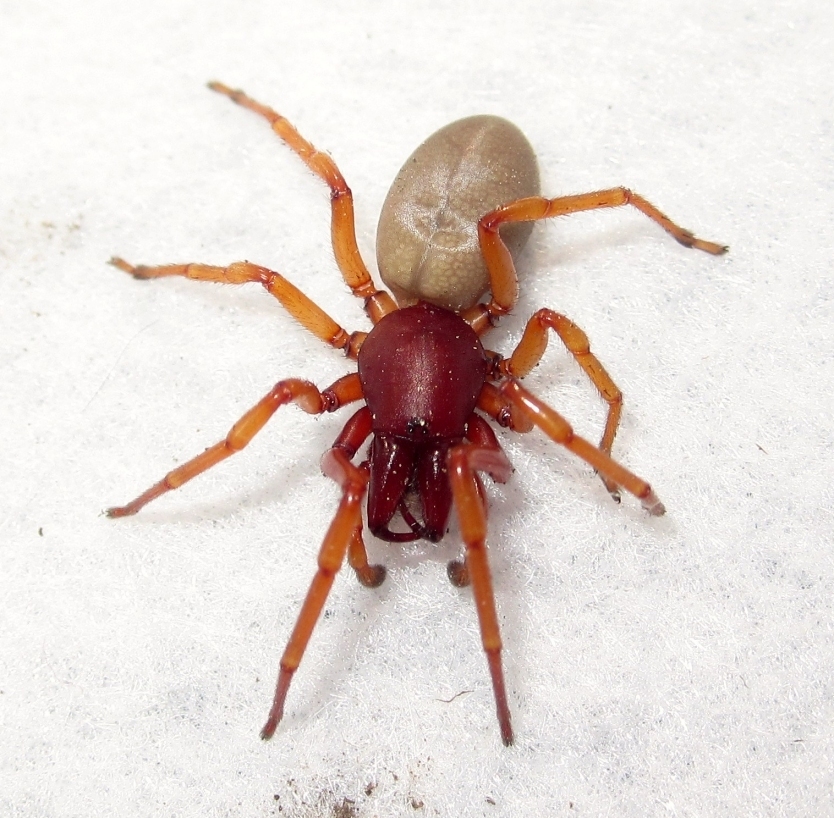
point(312, 317)
point(483, 454)
point(305, 394)
point(343, 537)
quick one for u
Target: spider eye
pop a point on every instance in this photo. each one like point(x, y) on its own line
point(417, 426)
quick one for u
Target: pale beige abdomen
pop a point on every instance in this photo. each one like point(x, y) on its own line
point(427, 238)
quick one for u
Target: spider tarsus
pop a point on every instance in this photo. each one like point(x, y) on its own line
point(118, 511)
point(115, 261)
point(502, 708)
point(709, 247)
point(236, 95)
point(688, 239)
point(219, 87)
point(268, 730)
point(653, 505)
point(137, 272)
point(276, 712)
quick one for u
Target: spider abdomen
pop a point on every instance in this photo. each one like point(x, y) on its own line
point(427, 239)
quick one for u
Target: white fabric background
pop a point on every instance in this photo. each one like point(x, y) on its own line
point(669, 667)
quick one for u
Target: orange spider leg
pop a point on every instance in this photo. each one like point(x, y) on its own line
point(342, 228)
point(299, 306)
point(504, 282)
point(464, 461)
point(560, 431)
point(339, 540)
point(305, 394)
point(533, 345)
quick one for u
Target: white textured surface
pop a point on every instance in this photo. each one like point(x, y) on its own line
point(656, 667)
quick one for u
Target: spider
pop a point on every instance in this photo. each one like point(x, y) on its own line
point(427, 382)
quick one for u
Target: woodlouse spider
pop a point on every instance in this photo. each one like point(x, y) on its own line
point(426, 380)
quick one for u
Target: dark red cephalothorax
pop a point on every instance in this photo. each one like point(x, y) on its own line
point(422, 370)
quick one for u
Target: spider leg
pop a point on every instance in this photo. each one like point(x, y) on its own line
point(464, 461)
point(304, 393)
point(502, 274)
point(560, 431)
point(337, 542)
point(299, 306)
point(530, 350)
point(343, 230)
